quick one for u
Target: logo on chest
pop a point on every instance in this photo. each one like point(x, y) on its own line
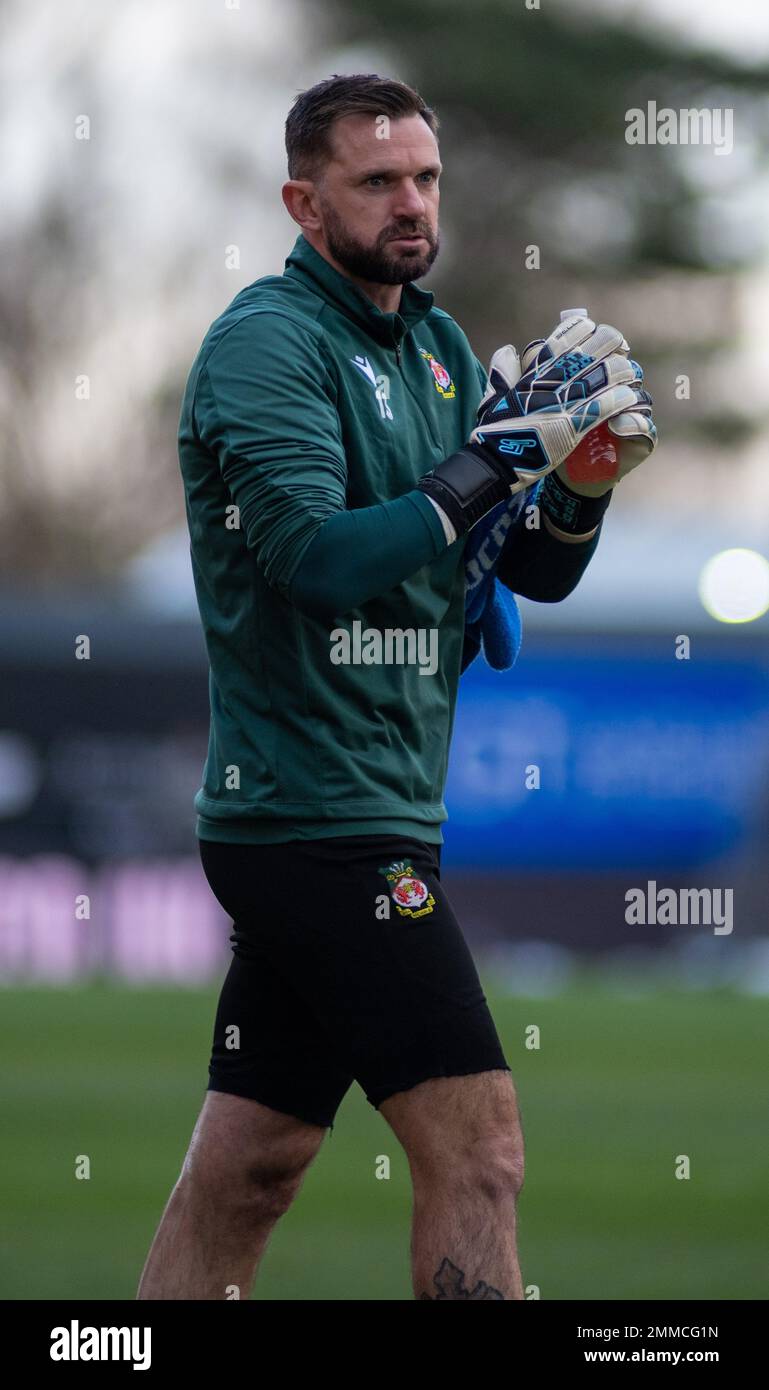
point(441, 378)
point(381, 385)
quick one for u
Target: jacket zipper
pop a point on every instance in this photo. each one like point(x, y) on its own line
point(425, 417)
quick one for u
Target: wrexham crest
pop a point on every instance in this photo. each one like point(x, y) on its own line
point(410, 894)
point(443, 383)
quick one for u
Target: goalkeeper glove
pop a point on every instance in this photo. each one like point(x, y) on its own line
point(529, 422)
point(576, 494)
point(592, 468)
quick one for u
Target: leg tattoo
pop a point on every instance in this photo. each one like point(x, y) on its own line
point(450, 1283)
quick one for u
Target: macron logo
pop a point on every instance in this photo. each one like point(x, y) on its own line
point(364, 366)
point(76, 1343)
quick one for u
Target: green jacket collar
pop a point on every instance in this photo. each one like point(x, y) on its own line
point(307, 264)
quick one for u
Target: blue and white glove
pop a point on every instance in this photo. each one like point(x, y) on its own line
point(566, 385)
point(528, 424)
point(492, 616)
point(632, 430)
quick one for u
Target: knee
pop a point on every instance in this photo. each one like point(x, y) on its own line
point(500, 1170)
point(256, 1189)
point(491, 1166)
point(270, 1187)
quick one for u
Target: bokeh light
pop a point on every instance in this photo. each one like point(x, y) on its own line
point(734, 586)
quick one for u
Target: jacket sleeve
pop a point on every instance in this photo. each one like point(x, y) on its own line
point(482, 376)
point(265, 406)
point(536, 565)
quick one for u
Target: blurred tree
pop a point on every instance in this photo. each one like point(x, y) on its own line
point(532, 106)
point(112, 250)
point(120, 241)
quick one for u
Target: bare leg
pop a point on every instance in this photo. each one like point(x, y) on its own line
point(243, 1168)
point(463, 1139)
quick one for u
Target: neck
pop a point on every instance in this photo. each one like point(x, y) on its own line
point(386, 297)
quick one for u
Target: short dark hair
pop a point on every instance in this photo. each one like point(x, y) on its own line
point(313, 113)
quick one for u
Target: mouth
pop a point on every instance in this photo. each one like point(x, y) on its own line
point(408, 240)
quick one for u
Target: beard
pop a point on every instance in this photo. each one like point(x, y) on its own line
point(380, 264)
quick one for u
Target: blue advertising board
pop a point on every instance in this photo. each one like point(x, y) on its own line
point(599, 754)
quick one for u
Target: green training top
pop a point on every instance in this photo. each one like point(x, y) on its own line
point(307, 419)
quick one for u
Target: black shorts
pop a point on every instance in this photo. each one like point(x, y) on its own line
point(342, 973)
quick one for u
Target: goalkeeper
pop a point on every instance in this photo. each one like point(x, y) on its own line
point(342, 451)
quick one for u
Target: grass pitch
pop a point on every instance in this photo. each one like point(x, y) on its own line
point(618, 1090)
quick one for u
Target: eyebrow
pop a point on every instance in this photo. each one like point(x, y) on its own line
point(386, 173)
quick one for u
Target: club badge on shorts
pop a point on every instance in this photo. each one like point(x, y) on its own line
point(411, 896)
point(443, 383)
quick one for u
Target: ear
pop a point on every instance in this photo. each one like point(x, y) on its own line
point(299, 197)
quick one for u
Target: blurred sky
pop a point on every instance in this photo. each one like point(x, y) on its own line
point(187, 100)
point(737, 27)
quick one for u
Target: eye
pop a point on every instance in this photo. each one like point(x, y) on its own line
point(427, 175)
point(375, 178)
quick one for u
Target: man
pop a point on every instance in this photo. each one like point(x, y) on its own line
point(335, 460)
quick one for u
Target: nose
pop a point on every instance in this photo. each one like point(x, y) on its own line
point(409, 202)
